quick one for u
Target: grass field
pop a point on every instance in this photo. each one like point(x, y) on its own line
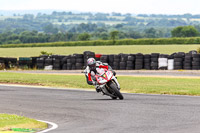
point(149, 85)
point(35, 51)
point(11, 123)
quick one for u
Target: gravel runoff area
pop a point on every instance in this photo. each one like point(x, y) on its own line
point(174, 73)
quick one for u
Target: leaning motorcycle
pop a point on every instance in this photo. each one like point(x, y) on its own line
point(108, 83)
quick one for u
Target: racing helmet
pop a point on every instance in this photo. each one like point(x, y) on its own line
point(91, 62)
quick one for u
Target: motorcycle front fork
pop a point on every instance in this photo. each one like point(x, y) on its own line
point(115, 80)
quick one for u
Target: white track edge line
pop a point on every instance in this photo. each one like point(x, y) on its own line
point(54, 126)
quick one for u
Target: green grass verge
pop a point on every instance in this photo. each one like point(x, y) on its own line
point(12, 123)
point(146, 49)
point(148, 85)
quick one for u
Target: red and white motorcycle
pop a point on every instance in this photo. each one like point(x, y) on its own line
point(108, 83)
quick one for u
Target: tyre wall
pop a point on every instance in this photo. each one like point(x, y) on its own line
point(139, 61)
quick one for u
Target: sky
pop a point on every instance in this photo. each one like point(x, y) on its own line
point(107, 6)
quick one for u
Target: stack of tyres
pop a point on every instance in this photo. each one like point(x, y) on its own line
point(178, 60)
point(130, 65)
point(196, 62)
point(11, 62)
point(79, 61)
point(48, 64)
point(193, 52)
point(69, 63)
point(187, 65)
point(40, 63)
point(123, 61)
point(104, 59)
point(147, 61)
point(64, 62)
point(111, 60)
point(154, 61)
point(34, 62)
point(87, 55)
point(163, 61)
point(2, 60)
point(116, 62)
point(2, 63)
point(57, 62)
point(73, 62)
point(170, 62)
point(139, 61)
point(24, 62)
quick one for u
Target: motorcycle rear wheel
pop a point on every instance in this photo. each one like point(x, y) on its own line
point(116, 91)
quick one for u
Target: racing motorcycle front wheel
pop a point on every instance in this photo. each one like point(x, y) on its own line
point(115, 91)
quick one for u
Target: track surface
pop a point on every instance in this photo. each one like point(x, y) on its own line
point(78, 111)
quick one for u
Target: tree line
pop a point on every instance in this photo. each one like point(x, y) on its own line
point(37, 37)
point(92, 22)
point(61, 26)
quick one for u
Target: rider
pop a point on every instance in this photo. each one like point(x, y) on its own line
point(91, 71)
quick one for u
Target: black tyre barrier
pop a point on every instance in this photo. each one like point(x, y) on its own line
point(57, 63)
point(180, 60)
point(64, 67)
point(111, 58)
point(187, 63)
point(40, 63)
point(122, 65)
point(139, 61)
point(196, 62)
point(24, 62)
point(154, 61)
point(2, 60)
point(104, 58)
point(48, 61)
point(147, 61)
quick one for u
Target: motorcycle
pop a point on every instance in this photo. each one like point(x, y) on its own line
point(107, 83)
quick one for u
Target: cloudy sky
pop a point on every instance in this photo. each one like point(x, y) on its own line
point(108, 6)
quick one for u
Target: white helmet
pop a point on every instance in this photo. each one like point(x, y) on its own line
point(91, 62)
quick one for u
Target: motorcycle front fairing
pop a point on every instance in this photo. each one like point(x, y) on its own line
point(103, 76)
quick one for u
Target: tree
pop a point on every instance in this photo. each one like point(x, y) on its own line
point(114, 35)
point(104, 36)
point(50, 29)
point(150, 33)
point(84, 37)
point(185, 31)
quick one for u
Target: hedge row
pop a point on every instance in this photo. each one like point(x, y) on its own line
point(156, 41)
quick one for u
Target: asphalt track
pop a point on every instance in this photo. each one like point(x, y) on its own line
point(76, 111)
